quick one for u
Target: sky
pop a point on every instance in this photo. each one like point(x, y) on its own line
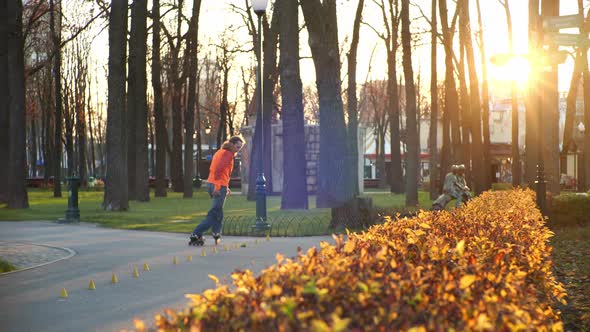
point(216, 17)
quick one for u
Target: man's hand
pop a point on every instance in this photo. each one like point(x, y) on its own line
point(228, 192)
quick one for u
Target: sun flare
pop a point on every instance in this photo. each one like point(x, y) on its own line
point(516, 69)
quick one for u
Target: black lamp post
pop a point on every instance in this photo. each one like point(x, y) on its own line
point(261, 225)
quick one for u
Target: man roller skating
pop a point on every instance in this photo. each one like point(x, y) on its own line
point(218, 188)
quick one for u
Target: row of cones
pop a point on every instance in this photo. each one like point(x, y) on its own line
point(146, 267)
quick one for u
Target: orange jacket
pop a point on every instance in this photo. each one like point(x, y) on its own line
point(221, 166)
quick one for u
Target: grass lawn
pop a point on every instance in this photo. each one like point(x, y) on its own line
point(572, 261)
point(174, 213)
point(6, 266)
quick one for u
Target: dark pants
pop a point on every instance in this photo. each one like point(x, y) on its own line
point(215, 214)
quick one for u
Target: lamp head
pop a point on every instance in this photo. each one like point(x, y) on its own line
point(259, 6)
point(581, 127)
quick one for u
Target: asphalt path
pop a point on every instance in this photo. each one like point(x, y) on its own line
point(30, 299)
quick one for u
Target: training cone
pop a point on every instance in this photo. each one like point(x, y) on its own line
point(215, 249)
point(64, 293)
point(189, 258)
point(268, 237)
point(236, 246)
point(203, 253)
point(227, 247)
point(91, 284)
point(256, 241)
point(114, 279)
point(174, 261)
point(135, 273)
point(146, 267)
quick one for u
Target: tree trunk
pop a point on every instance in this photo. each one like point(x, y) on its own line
point(352, 99)
point(294, 164)
point(465, 109)
point(433, 130)
point(532, 125)
point(116, 194)
point(92, 145)
point(189, 121)
point(475, 124)
point(412, 140)
point(334, 184)
point(487, 166)
point(161, 135)
point(17, 192)
point(550, 111)
point(4, 103)
point(176, 158)
point(33, 148)
point(139, 24)
point(516, 176)
point(132, 98)
point(451, 97)
point(586, 154)
point(57, 144)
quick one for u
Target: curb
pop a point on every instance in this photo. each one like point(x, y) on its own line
point(70, 252)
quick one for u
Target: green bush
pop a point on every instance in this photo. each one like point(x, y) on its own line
point(6, 266)
point(569, 209)
point(501, 186)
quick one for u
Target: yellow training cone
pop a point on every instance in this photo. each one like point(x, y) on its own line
point(64, 293)
point(174, 261)
point(203, 253)
point(135, 272)
point(227, 247)
point(215, 249)
point(256, 241)
point(114, 279)
point(146, 267)
point(236, 246)
point(189, 258)
point(91, 284)
point(267, 236)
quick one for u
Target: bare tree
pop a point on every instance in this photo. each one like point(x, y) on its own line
point(116, 193)
point(413, 143)
point(294, 164)
point(11, 22)
point(391, 22)
point(487, 164)
point(352, 102)
point(5, 18)
point(161, 135)
point(335, 188)
point(451, 136)
point(189, 126)
point(475, 123)
point(516, 176)
point(56, 37)
point(433, 131)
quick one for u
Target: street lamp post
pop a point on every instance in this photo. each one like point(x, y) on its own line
point(261, 225)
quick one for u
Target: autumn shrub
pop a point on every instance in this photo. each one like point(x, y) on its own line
point(485, 266)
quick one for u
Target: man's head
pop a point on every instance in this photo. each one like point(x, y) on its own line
point(461, 169)
point(454, 169)
point(234, 144)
